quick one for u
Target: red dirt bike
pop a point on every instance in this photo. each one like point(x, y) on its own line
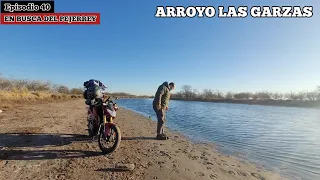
point(100, 123)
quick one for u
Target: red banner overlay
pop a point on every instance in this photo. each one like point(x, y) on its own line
point(50, 18)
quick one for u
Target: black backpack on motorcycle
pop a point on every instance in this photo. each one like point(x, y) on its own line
point(85, 95)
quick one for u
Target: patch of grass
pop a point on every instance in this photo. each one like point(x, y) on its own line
point(25, 85)
point(23, 95)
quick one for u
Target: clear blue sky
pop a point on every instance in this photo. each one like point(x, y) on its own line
point(132, 51)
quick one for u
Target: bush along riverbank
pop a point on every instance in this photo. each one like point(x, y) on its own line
point(307, 99)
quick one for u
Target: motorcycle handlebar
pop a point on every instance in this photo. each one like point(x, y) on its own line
point(108, 99)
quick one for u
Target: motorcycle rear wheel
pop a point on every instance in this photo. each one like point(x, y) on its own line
point(117, 140)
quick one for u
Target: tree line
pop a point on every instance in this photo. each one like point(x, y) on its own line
point(188, 93)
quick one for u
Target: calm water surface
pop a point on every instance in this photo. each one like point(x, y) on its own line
point(286, 140)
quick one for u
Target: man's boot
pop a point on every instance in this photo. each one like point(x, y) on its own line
point(161, 137)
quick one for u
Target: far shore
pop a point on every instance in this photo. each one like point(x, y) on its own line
point(283, 103)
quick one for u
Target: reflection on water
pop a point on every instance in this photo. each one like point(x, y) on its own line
point(280, 138)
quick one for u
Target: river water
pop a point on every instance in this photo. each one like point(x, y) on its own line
point(282, 139)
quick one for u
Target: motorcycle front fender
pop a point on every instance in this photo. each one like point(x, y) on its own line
point(107, 128)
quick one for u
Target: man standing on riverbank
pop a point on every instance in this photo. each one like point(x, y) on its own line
point(161, 105)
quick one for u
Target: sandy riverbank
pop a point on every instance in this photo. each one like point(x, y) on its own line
point(58, 148)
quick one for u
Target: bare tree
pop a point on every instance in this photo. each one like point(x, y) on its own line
point(292, 96)
point(77, 91)
point(243, 95)
point(20, 83)
point(177, 95)
point(5, 84)
point(63, 89)
point(207, 94)
point(302, 96)
point(275, 96)
point(318, 93)
point(247, 95)
point(264, 95)
point(187, 91)
point(311, 95)
point(194, 94)
point(281, 96)
point(229, 95)
point(219, 94)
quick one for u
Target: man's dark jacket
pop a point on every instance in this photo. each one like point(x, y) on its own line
point(162, 96)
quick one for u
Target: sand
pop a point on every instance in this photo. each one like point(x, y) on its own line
point(49, 141)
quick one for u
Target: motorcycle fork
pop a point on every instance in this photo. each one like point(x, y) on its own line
point(107, 125)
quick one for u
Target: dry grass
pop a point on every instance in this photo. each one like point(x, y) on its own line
point(18, 98)
point(25, 95)
point(23, 90)
point(21, 85)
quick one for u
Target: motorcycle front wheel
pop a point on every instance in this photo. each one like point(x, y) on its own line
point(114, 139)
point(90, 126)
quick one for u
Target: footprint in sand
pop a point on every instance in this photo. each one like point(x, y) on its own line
point(231, 172)
point(204, 158)
point(193, 157)
point(258, 176)
point(209, 163)
point(199, 174)
point(175, 171)
point(175, 165)
point(149, 164)
point(160, 162)
point(60, 176)
point(242, 174)
point(163, 153)
point(213, 176)
point(185, 151)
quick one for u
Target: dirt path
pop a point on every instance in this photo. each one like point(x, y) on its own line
point(49, 141)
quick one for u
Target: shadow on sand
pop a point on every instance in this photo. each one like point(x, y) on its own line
point(45, 154)
point(112, 170)
point(15, 140)
point(9, 141)
point(137, 138)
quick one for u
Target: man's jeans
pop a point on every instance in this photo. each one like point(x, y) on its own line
point(161, 116)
